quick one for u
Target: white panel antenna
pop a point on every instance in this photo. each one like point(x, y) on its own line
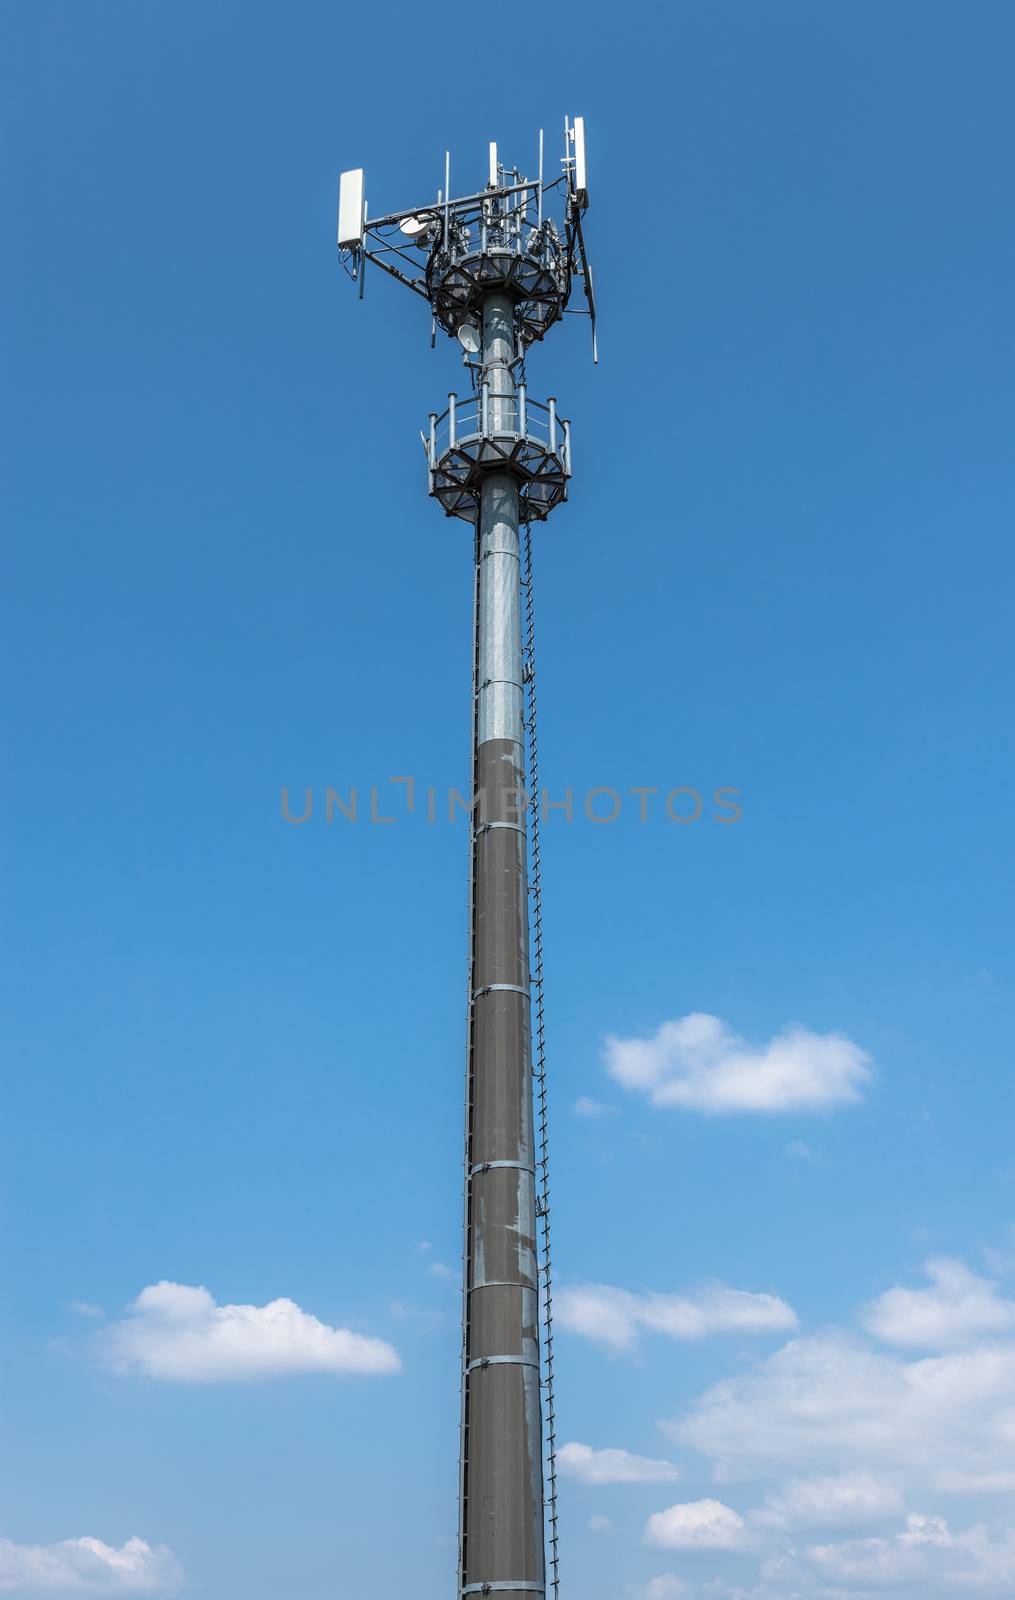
point(351, 209)
point(469, 242)
point(581, 181)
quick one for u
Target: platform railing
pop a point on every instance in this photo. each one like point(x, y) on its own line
point(467, 422)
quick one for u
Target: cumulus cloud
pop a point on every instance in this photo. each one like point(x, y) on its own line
point(1002, 1482)
point(439, 1269)
point(600, 1524)
point(801, 1152)
point(178, 1332)
point(697, 1525)
point(666, 1587)
point(830, 1401)
point(846, 1434)
point(957, 1307)
point(592, 1109)
point(831, 1500)
point(87, 1566)
point(613, 1317)
point(612, 1466)
point(700, 1064)
point(924, 1558)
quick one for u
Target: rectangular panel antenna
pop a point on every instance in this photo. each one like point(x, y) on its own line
point(494, 175)
point(581, 181)
point(350, 209)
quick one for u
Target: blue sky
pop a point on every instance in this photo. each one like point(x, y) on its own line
point(234, 1045)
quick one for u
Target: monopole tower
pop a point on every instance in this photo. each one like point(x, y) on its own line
point(496, 268)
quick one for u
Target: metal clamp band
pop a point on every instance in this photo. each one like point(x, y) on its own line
point(484, 827)
point(505, 1584)
point(511, 988)
point(501, 1361)
point(485, 1166)
point(501, 1283)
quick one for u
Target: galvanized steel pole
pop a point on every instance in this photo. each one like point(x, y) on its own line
point(497, 273)
point(502, 1472)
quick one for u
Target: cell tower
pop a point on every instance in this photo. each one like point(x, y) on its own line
point(496, 270)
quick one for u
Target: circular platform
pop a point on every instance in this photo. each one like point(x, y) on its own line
point(457, 477)
point(516, 434)
point(536, 281)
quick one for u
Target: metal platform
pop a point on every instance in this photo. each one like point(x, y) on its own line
point(536, 279)
point(529, 440)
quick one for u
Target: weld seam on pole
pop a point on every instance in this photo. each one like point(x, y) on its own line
point(500, 1283)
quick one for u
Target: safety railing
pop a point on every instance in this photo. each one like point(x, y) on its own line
point(502, 417)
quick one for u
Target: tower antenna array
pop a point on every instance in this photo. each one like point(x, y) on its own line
point(496, 268)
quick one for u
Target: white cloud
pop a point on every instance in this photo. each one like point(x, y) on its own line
point(848, 1435)
point(1002, 1482)
point(801, 1152)
point(697, 1525)
point(178, 1332)
point(80, 1566)
point(666, 1587)
point(593, 1109)
point(831, 1401)
point(85, 1308)
point(830, 1500)
point(612, 1466)
point(614, 1316)
point(700, 1064)
point(438, 1269)
point(600, 1524)
point(957, 1308)
point(924, 1558)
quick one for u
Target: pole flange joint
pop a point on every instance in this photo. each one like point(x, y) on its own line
point(482, 1362)
point(504, 1585)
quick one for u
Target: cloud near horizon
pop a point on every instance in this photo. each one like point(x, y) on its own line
point(613, 1317)
point(87, 1566)
point(178, 1332)
point(699, 1063)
